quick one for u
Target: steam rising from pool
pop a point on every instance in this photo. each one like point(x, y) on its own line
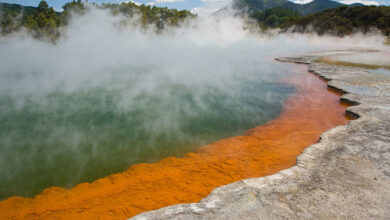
point(107, 96)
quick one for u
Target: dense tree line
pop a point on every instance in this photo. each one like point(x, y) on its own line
point(343, 21)
point(44, 22)
point(304, 9)
point(274, 17)
point(147, 14)
point(12, 16)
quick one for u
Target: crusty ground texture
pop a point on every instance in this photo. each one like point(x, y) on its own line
point(344, 176)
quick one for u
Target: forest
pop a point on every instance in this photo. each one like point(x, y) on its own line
point(274, 17)
point(342, 21)
point(44, 22)
point(339, 21)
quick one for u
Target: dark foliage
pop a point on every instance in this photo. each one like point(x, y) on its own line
point(11, 16)
point(253, 6)
point(150, 14)
point(344, 20)
point(43, 22)
point(274, 17)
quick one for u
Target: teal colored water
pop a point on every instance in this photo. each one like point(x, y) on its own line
point(61, 137)
point(382, 71)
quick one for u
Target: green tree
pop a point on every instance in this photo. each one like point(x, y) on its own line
point(43, 22)
point(274, 17)
point(43, 6)
point(344, 20)
point(76, 7)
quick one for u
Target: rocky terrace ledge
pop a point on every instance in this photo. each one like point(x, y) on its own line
point(344, 176)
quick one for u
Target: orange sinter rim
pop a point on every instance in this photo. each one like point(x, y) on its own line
point(264, 150)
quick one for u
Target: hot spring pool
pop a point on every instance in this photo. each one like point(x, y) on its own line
point(103, 98)
point(57, 132)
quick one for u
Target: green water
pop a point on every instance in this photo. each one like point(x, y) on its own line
point(61, 137)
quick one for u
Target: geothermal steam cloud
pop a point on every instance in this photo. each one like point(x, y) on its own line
point(106, 96)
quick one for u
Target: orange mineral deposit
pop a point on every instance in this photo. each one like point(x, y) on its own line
point(261, 151)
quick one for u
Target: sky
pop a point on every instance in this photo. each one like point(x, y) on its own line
point(196, 6)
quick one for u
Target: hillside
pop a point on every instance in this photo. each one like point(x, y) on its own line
point(12, 15)
point(43, 21)
point(9, 8)
point(317, 6)
point(261, 5)
point(274, 17)
point(343, 21)
point(252, 6)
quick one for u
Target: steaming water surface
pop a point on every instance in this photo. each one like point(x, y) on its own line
point(103, 98)
point(64, 138)
point(75, 115)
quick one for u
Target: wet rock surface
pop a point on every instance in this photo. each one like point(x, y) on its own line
point(344, 176)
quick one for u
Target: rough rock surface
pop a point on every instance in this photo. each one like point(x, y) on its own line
point(345, 176)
